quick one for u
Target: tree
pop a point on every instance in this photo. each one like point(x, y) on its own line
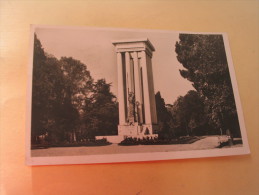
point(77, 81)
point(101, 110)
point(46, 78)
point(59, 90)
point(205, 63)
point(164, 117)
point(77, 86)
point(67, 104)
point(38, 122)
point(188, 114)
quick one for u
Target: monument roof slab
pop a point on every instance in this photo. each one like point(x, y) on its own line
point(134, 44)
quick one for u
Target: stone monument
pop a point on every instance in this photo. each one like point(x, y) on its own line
point(136, 97)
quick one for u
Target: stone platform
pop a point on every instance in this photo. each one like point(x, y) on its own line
point(116, 139)
point(136, 129)
point(133, 131)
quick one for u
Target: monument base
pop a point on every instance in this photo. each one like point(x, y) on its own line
point(137, 129)
point(115, 139)
point(134, 131)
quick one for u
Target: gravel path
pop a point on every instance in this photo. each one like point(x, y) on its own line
point(209, 142)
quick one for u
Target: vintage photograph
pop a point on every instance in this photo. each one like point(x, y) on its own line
point(100, 95)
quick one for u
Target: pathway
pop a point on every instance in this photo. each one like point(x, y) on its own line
point(209, 142)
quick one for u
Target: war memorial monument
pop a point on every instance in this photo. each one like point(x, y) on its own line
point(136, 97)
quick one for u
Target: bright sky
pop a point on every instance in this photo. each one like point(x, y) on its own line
point(94, 48)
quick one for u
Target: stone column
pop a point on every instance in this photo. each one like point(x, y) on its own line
point(128, 73)
point(132, 73)
point(151, 91)
point(121, 90)
point(138, 90)
point(146, 89)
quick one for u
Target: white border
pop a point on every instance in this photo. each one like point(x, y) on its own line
point(132, 157)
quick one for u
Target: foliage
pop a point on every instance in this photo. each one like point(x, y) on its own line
point(188, 115)
point(67, 105)
point(184, 118)
point(205, 63)
point(164, 118)
point(101, 110)
point(45, 99)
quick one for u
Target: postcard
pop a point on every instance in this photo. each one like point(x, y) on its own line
point(107, 95)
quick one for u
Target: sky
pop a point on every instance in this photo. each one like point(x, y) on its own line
point(94, 48)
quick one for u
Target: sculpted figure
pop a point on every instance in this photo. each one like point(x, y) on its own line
point(131, 109)
point(137, 111)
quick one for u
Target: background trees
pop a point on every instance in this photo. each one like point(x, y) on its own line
point(205, 63)
point(186, 117)
point(45, 99)
point(189, 117)
point(164, 118)
point(101, 110)
point(211, 108)
point(67, 105)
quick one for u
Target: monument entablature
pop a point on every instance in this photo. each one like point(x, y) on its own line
point(137, 45)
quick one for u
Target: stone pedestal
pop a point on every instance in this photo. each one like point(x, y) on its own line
point(136, 129)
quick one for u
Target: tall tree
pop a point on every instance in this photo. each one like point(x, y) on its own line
point(101, 110)
point(78, 81)
point(205, 63)
point(189, 114)
point(77, 87)
point(66, 103)
point(164, 117)
point(60, 88)
point(46, 78)
point(38, 122)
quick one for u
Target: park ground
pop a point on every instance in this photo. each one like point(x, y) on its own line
point(206, 142)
